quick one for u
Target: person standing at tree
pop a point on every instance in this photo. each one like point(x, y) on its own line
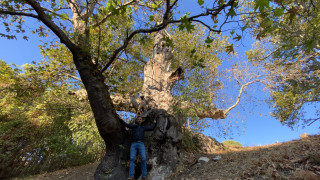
point(137, 138)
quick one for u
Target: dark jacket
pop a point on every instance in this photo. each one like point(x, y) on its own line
point(138, 130)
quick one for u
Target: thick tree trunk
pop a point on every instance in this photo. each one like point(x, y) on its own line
point(106, 119)
point(159, 76)
point(162, 144)
point(156, 102)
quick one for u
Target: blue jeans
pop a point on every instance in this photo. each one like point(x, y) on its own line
point(138, 146)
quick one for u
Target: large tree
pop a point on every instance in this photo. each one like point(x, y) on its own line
point(81, 27)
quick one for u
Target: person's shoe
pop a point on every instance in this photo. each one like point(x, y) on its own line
point(130, 178)
point(144, 178)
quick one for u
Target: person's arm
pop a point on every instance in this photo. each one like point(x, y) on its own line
point(126, 124)
point(151, 127)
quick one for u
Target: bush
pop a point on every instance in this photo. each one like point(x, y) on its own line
point(232, 143)
point(190, 141)
point(42, 127)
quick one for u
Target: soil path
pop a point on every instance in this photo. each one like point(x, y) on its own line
point(84, 172)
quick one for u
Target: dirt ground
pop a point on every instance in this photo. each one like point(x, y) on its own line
point(84, 172)
point(293, 160)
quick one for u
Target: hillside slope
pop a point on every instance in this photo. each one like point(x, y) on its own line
point(297, 159)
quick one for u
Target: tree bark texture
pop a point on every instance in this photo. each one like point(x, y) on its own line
point(106, 119)
point(159, 77)
point(162, 150)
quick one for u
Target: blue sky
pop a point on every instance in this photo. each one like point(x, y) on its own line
point(260, 127)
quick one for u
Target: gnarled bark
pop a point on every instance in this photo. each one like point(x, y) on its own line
point(158, 77)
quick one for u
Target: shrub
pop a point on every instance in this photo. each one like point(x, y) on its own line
point(232, 143)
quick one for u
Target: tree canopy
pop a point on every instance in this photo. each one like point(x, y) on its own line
point(289, 51)
point(42, 127)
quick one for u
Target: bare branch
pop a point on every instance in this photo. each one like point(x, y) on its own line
point(207, 26)
point(52, 12)
point(74, 77)
point(239, 95)
point(313, 120)
point(213, 12)
point(19, 13)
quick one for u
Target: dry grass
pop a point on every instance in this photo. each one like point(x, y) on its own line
point(298, 159)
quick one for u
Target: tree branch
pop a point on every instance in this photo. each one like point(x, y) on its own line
point(19, 13)
point(109, 14)
point(128, 103)
point(210, 111)
point(51, 25)
point(162, 25)
point(313, 120)
point(90, 8)
point(207, 26)
point(156, 28)
point(239, 96)
point(120, 102)
point(74, 8)
point(74, 77)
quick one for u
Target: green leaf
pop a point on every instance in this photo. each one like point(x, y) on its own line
point(266, 23)
point(230, 49)
point(192, 52)
point(278, 12)
point(261, 4)
point(200, 2)
point(238, 37)
point(232, 13)
point(208, 40)
point(168, 41)
point(186, 24)
point(244, 28)
point(151, 18)
point(221, 2)
point(154, 6)
point(310, 44)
